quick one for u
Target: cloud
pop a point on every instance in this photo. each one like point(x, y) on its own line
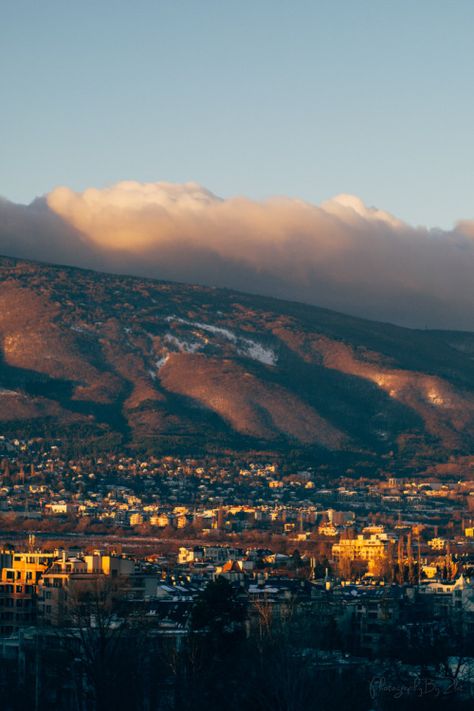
point(35, 232)
point(341, 254)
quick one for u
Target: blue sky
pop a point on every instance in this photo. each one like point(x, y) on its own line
point(259, 98)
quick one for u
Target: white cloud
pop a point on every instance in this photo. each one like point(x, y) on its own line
point(341, 254)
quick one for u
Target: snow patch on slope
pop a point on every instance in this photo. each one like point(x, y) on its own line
point(182, 346)
point(161, 361)
point(206, 327)
point(245, 346)
point(258, 352)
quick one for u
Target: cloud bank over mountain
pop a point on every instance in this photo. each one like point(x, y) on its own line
point(341, 254)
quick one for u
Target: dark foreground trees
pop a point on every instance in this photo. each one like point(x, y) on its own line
point(236, 658)
point(225, 654)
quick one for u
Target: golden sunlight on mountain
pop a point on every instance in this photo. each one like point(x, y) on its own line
point(250, 405)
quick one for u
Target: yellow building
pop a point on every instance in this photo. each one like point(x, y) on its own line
point(327, 529)
point(160, 520)
point(53, 589)
point(437, 544)
point(99, 562)
point(20, 575)
point(67, 579)
point(136, 519)
point(373, 547)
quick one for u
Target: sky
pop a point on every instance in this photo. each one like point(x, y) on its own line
point(255, 98)
point(310, 150)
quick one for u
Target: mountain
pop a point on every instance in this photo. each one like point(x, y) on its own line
point(112, 360)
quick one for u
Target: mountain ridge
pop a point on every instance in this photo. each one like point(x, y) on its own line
point(136, 362)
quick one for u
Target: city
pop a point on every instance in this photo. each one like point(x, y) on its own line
point(236, 356)
point(373, 579)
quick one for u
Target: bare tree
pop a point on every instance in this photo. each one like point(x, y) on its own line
point(109, 634)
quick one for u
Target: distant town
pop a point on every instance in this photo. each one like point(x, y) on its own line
point(369, 579)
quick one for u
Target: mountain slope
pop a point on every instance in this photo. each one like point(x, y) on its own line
point(147, 363)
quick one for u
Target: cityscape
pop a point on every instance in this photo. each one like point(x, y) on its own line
point(236, 355)
point(370, 581)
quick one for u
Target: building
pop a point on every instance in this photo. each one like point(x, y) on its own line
point(20, 575)
point(367, 549)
